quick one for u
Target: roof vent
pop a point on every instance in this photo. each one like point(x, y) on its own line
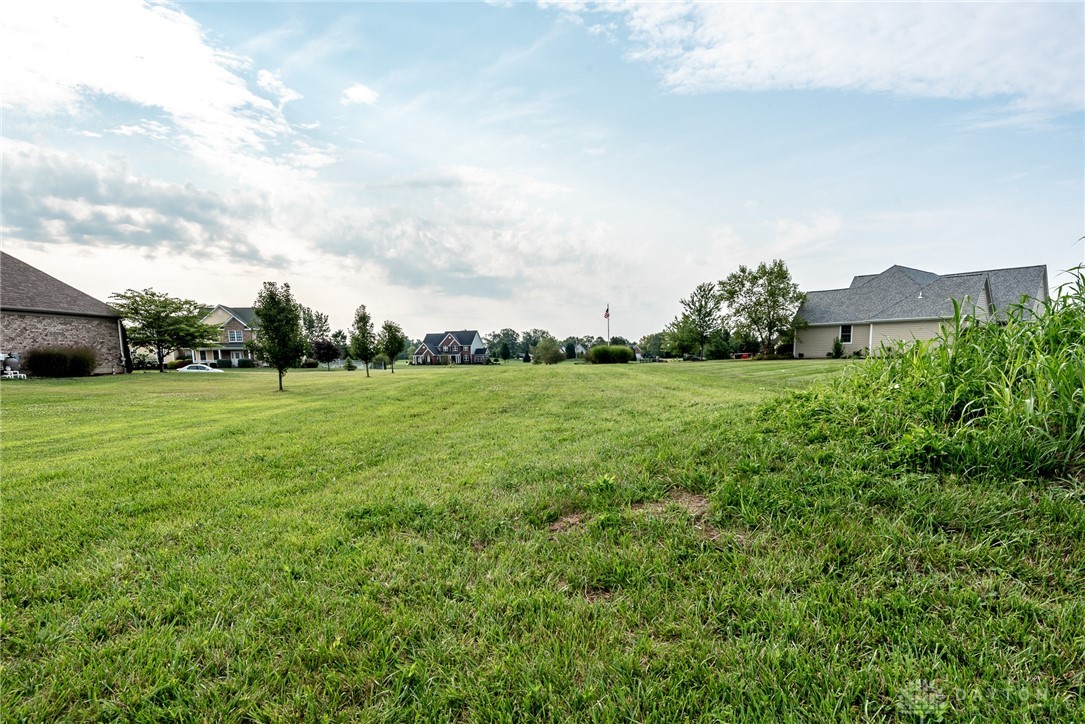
point(920, 293)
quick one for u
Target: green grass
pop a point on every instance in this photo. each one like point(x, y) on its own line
point(513, 543)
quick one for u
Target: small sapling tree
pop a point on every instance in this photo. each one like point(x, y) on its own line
point(280, 342)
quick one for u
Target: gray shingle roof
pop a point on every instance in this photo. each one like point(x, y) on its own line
point(247, 315)
point(28, 289)
point(463, 337)
point(901, 293)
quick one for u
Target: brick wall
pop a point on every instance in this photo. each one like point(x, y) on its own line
point(20, 332)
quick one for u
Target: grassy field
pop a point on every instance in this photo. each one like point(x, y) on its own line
point(513, 543)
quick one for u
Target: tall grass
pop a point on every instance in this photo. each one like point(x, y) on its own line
point(997, 398)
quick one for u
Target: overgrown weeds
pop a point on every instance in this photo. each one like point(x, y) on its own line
point(1001, 397)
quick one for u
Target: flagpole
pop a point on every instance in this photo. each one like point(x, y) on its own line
point(608, 323)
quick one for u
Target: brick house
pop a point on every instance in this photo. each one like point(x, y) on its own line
point(441, 348)
point(237, 325)
point(37, 310)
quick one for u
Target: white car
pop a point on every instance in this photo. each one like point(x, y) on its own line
point(197, 368)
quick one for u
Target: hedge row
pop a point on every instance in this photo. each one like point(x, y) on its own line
point(61, 361)
point(610, 354)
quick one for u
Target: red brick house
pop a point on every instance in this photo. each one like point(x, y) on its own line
point(442, 348)
point(237, 325)
point(37, 310)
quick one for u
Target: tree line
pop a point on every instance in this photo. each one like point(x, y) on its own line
point(752, 309)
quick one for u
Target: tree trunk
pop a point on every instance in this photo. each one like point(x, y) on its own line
point(367, 369)
point(280, 380)
point(161, 363)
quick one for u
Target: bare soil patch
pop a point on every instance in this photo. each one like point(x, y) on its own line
point(566, 522)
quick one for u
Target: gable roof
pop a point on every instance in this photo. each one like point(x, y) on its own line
point(27, 289)
point(903, 293)
point(245, 315)
point(463, 337)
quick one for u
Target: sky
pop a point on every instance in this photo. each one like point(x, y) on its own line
point(491, 165)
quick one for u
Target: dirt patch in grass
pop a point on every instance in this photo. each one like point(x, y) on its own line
point(595, 595)
point(695, 505)
point(566, 522)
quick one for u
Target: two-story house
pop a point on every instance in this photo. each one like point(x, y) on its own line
point(462, 347)
point(237, 325)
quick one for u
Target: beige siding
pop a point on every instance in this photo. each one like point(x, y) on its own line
point(890, 332)
point(817, 342)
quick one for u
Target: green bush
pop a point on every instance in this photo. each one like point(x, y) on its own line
point(178, 363)
point(309, 364)
point(246, 364)
point(605, 354)
point(222, 364)
point(998, 400)
point(838, 349)
point(61, 361)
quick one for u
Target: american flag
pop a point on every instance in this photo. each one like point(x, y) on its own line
point(606, 314)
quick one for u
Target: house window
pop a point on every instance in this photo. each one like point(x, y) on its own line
point(845, 333)
point(235, 335)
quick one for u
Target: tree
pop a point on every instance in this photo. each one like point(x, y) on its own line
point(280, 342)
point(652, 344)
point(505, 352)
point(701, 312)
point(570, 349)
point(679, 337)
point(620, 341)
point(548, 352)
point(506, 336)
point(339, 338)
point(531, 337)
point(315, 326)
point(325, 351)
point(161, 322)
point(391, 342)
point(762, 302)
point(363, 344)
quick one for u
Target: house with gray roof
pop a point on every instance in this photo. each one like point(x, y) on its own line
point(903, 304)
point(237, 325)
point(460, 347)
point(38, 310)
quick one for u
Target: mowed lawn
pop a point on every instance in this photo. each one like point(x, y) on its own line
point(512, 543)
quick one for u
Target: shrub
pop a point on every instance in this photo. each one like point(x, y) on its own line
point(838, 349)
point(349, 365)
point(605, 354)
point(61, 361)
point(548, 352)
point(178, 363)
point(999, 400)
point(309, 364)
point(246, 363)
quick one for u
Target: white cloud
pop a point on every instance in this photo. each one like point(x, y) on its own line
point(1030, 53)
point(59, 57)
point(273, 83)
point(359, 93)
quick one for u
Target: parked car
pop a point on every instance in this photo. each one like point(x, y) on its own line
point(197, 368)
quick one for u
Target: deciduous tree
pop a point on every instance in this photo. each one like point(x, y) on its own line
point(701, 314)
point(325, 351)
point(391, 342)
point(548, 352)
point(363, 343)
point(761, 302)
point(162, 323)
point(315, 326)
point(280, 341)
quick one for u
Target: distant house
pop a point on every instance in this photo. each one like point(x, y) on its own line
point(462, 347)
point(37, 310)
point(237, 325)
point(909, 304)
point(581, 350)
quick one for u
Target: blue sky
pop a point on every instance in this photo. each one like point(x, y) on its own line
point(523, 165)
